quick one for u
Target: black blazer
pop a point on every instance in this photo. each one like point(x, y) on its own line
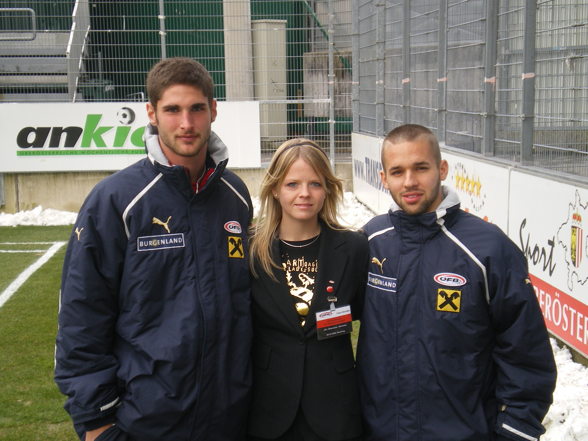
point(291, 368)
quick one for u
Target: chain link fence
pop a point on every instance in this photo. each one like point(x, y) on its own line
point(505, 79)
point(275, 52)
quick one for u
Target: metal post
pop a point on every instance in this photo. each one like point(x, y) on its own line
point(528, 77)
point(2, 197)
point(162, 32)
point(380, 67)
point(488, 141)
point(442, 74)
point(331, 77)
point(406, 60)
point(238, 50)
point(355, 65)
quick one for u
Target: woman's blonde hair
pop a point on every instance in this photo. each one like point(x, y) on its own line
point(270, 214)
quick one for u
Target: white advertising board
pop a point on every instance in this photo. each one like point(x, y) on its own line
point(367, 184)
point(547, 220)
point(52, 137)
point(482, 187)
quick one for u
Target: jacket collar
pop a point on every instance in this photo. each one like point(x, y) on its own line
point(431, 221)
point(450, 199)
point(217, 149)
point(216, 157)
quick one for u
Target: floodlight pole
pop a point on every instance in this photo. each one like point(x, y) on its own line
point(162, 32)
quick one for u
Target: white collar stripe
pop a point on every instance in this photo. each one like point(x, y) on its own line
point(472, 256)
point(236, 192)
point(135, 200)
point(377, 233)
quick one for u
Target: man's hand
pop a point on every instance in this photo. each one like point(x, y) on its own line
point(91, 435)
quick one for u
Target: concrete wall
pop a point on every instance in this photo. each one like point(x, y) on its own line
point(61, 191)
point(67, 191)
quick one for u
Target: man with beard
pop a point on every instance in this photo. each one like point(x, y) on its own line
point(452, 346)
point(154, 323)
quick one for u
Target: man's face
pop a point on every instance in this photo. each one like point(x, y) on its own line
point(183, 118)
point(412, 176)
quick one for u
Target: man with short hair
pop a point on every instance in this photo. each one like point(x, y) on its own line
point(452, 345)
point(154, 324)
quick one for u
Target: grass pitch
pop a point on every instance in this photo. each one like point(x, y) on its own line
point(31, 406)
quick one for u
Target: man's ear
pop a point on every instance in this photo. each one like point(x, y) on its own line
point(443, 169)
point(213, 110)
point(151, 114)
point(383, 178)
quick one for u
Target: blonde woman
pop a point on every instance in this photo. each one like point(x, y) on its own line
point(308, 279)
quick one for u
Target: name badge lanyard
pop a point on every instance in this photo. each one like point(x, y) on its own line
point(334, 321)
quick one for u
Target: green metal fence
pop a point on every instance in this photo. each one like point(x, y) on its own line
point(276, 52)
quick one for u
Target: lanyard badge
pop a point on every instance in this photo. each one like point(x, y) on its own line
point(334, 321)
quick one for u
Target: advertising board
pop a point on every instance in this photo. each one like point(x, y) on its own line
point(53, 137)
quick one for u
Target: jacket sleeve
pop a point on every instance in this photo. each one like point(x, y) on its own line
point(526, 371)
point(85, 366)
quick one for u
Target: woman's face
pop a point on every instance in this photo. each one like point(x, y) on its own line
point(301, 194)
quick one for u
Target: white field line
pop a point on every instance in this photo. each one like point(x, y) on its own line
point(22, 277)
point(26, 243)
point(22, 251)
